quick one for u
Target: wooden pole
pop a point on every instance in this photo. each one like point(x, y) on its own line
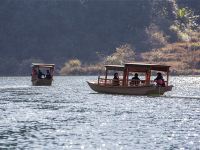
point(106, 76)
point(127, 73)
point(146, 78)
point(98, 79)
point(167, 77)
point(124, 77)
point(148, 75)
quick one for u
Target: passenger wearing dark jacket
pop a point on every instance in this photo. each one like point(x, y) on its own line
point(40, 74)
point(115, 81)
point(159, 80)
point(48, 75)
point(135, 80)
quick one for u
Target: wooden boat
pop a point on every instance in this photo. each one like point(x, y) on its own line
point(40, 79)
point(145, 87)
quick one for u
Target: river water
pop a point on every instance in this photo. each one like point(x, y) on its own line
point(69, 115)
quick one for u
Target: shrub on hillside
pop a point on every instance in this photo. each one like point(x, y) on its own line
point(183, 57)
point(123, 54)
point(156, 37)
point(72, 66)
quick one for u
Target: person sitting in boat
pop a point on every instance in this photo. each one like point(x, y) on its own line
point(135, 81)
point(34, 73)
point(48, 75)
point(115, 81)
point(40, 74)
point(159, 80)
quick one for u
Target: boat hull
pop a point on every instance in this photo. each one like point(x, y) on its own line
point(42, 82)
point(137, 90)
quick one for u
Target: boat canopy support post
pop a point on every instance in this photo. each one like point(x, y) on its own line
point(125, 75)
point(106, 74)
point(98, 79)
point(51, 71)
point(167, 77)
point(148, 76)
point(123, 82)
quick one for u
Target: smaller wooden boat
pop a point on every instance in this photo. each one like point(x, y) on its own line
point(126, 86)
point(39, 78)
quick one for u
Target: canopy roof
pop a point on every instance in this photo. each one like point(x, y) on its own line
point(138, 67)
point(115, 67)
point(142, 67)
point(40, 65)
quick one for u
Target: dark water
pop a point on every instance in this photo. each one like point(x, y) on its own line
point(68, 115)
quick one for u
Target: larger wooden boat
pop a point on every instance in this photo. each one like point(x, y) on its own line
point(145, 87)
point(40, 79)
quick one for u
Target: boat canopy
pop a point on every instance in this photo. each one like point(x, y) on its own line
point(138, 67)
point(115, 67)
point(40, 65)
point(142, 67)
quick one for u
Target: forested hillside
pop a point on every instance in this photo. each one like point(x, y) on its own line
point(90, 31)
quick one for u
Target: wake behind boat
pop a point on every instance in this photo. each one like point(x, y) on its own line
point(126, 86)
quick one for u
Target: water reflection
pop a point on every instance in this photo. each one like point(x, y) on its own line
point(68, 116)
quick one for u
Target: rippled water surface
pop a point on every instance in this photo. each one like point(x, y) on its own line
point(69, 115)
